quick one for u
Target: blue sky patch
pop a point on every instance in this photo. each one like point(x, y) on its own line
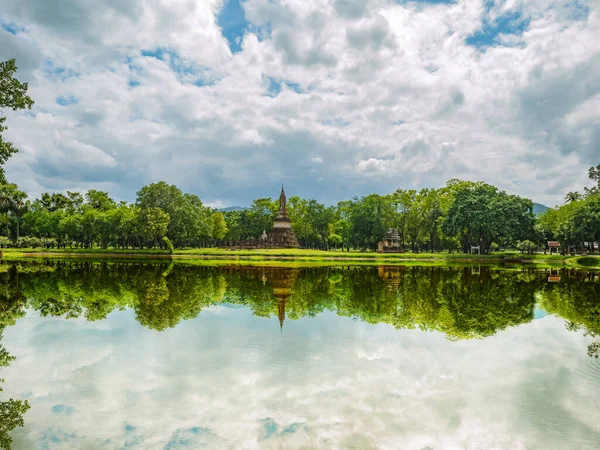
point(511, 23)
point(233, 24)
point(54, 71)
point(66, 100)
point(11, 27)
point(262, 32)
point(204, 80)
point(133, 67)
point(579, 10)
point(275, 86)
point(187, 71)
point(133, 83)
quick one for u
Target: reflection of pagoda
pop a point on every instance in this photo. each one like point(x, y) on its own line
point(282, 281)
point(391, 276)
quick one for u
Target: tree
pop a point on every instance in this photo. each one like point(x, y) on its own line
point(13, 95)
point(55, 202)
point(481, 214)
point(6, 194)
point(219, 226)
point(99, 200)
point(18, 207)
point(190, 221)
point(572, 197)
point(335, 239)
point(369, 217)
point(154, 223)
point(594, 174)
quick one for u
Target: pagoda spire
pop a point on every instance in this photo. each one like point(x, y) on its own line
point(282, 204)
point(281, 313)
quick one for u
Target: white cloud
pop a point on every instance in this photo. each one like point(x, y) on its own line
point(359, 82)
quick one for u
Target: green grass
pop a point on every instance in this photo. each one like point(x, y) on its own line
point(214, 256)
point(586, 261)
point(295, 253)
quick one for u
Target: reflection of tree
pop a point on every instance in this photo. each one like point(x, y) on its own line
point(166, 300)
point(11, 417)
point(449, 300)
point(11, 309)
point(454, 301)
point(482, 305)
point(577, 299)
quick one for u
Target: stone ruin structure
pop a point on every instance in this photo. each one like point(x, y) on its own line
point(281, 236)
point(391, 242)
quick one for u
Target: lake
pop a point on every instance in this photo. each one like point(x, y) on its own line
point(120, 355)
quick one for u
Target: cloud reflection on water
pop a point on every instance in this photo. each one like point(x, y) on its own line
point(228, 379)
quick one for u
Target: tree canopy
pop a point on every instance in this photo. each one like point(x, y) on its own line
point(13, 95)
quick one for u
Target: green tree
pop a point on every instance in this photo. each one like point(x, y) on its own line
point(13, 95)
point(572, 197)
point(154, 223)
point(18, 206)
point(219, 226)
point(594, 174)
point(99, 200)
point(190, 221)
point(55, 202)
point(480, 214)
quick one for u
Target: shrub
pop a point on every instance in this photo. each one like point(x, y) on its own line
point(5, 242)
point(526, 246)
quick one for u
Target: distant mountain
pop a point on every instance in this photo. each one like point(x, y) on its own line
point(232, 208)
point(538, 208)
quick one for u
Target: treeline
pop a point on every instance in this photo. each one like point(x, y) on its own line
point(576, 224)
point(455, 217)
point(162, 216)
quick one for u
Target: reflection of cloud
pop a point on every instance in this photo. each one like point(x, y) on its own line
point(63, 409)
point(192, 438)
point(234, 381)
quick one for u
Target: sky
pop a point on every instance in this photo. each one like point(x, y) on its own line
point(228, 99)
point(325, 382)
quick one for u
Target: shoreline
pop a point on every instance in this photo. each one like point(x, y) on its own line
point(313, 256)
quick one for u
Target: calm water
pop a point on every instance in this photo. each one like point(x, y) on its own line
point(159, 356)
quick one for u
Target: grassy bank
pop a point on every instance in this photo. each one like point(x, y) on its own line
point(214, 255)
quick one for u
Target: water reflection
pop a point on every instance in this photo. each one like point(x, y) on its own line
point(465, 304)
point(460, 302)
